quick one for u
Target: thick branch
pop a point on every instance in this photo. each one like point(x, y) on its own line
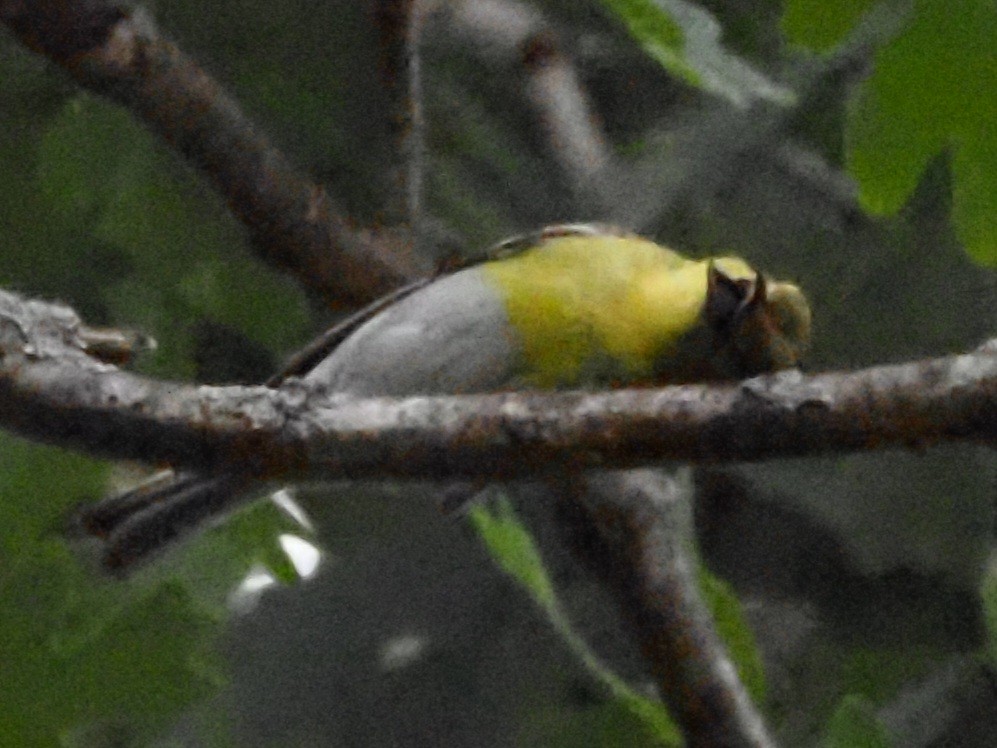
point(294, 223)
point(51, 390)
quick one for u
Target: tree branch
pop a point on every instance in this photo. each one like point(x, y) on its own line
point(643, 548)
point(51, 390)
point(399, 25)
point(519, 37)
point(294, 223)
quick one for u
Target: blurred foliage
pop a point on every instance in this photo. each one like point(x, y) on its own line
point(513, 548)
point(733, 629)
point(822, 25)
point(605, 724)
point(176, 252)
point(77, 649)
point(685, 38)
point(877, 675)
point(515, 551)
point(96, 211)
point(854, 725)
point(931, 90)
point(80, 650)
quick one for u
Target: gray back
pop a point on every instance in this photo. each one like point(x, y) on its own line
point(450, 337)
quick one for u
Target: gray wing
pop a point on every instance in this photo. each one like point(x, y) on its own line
point(451, 336)
point(305, 360)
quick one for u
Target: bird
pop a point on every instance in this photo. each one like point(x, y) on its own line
point(570, 306)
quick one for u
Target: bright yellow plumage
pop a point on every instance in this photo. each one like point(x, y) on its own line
point(596, 308)
point(575, 299)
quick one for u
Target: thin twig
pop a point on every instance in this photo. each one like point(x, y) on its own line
point(399, 24)
point(569, 123)
point(294, 223)
point(518, 37)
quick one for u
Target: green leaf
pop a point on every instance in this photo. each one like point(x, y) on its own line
point(116, 219)
point(512, 547)
point(132, 654)
point(77, 649)
point(38, 485)
point(685, 39)
point(734, 630)
point(854, 725)
point(931, 91)
point(182, 254)
point(974, 198)
point(878, 674)
point(609, 723)
point(822, 25)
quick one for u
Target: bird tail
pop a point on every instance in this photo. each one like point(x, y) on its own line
point(144, 521)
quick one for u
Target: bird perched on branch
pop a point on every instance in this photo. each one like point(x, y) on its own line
point(571, 306)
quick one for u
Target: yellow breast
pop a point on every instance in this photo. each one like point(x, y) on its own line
point(592, 307)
